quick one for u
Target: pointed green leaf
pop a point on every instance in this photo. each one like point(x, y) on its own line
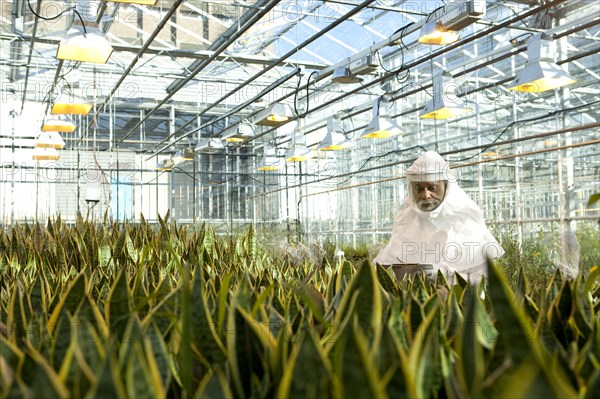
point(118, 306)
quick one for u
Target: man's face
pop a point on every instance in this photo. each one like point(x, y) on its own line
point(428, 195)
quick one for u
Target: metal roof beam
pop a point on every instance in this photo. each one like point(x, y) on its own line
point(199, 55)
point(282, 58)
point(256, 16)
point(232, 31)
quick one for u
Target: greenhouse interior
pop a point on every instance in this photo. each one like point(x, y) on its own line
point(249, 157)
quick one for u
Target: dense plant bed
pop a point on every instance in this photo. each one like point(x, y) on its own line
point(130, 311)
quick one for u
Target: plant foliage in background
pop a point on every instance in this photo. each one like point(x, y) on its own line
point(132, 311)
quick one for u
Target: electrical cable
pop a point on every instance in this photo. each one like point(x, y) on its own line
point(396, 152)
point(74, 9)
point(553, 113)
point(515, 40)
point(303, 114)
point(517, 15)
point(401, 67)
point(76, 64)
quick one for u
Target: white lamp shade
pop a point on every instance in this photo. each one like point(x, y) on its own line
point(238, 133)
point(269, 163)
point(335, 139)
point(381, 127)
point(540, 76)
point(59, 123)
point(274, 115)
point(445, 103)
point(209, 145)
point(165, 164)
point(344, 76)
point(50, 140)
point(299, 153)
point(187, 154)
point(540, 73)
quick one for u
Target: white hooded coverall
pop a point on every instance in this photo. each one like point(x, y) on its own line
point(453, 237)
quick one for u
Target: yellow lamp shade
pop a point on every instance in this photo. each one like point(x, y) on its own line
point(445, 113)
point(165, 164)
point(45, 154)
point(89, 46)
point(238, 133)
point(336, 147)
point(381, 127)
point(299, 153)
point(542, 84)
point(72, 108)
point(269, 163)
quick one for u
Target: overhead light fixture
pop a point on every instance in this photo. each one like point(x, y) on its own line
point(69, 103)
point(442, 25)
point(364, 65)
point(382, 125)
point(270, 160)
point(344, 76)
point(540, 73)
point(489, 155)
point(238, 133)
point(187, 154)
point(275, 115)
point(298, 151)
point(543, 144)
point(45, 154)
point(49, 140)
point(140, 2)
point(434, 33)
point(445, 103)
point(335, 139)
point(165, 164)
point(209, 145)
point(84, 43)
point(59, 123)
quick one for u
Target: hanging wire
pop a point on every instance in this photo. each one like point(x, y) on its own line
point(401, 67)
point(433, 12)
point(75, 64)
point(515, 40)
point(74, 9)
point(298, 113)
point(396, 152)
point(517, 122)
point(393, 93)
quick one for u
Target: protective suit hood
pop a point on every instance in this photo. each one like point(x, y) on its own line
point(453, 237)
point(429, 167)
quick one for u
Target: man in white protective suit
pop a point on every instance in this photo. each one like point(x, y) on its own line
point(439, 224)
